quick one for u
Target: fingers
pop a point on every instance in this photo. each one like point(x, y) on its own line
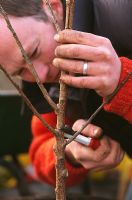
point(103, 85)
point(90, 131)
point(108, 155)
point(83, 154)
point(115, 157)
point(116, 154)
point(83, 52)
point(76, 66)
point(76, 37)
point(102, 151)
point(104, 66)
point(90, 82)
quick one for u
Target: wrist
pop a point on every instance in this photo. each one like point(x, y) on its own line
point(121, 102)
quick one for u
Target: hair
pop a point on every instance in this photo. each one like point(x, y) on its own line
point(23, 8)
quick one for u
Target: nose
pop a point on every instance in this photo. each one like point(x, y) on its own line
point(41, 70)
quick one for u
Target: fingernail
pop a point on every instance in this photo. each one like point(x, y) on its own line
point(55, 52)
point(55, 62)
point(57, 37)
point(95, 132)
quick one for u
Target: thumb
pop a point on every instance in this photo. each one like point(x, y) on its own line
point(90, 130)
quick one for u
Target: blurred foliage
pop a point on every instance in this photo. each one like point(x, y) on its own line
point(124, 169)
point(6, 178)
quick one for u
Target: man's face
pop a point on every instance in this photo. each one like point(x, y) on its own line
point(37, 40)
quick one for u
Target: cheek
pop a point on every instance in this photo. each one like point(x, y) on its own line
point(51, 53)
point(10, 68)
point(50, 50)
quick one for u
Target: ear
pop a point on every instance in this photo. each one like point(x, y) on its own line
point(57, 8)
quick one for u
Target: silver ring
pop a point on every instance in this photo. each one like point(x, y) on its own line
point(85, 68)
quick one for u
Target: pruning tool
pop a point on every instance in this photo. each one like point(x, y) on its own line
point(87, 141)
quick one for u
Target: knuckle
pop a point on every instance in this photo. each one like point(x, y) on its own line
point(103, 82)
point(78, 37)
point(97, 158)
point(106, 83)
point(100, 52)
point(104, 153)
point(74, 67)
point(64, 35)
point(105, 41)
point(77, 124)
point(113, 162)
point(75, 52)
point(106, 69)
point(108, 55)
point(89, 129)
point(66, 52)
point(103, 53)
point(118, 159)
point(70, 80)
point(71, 35)
point(83, 83)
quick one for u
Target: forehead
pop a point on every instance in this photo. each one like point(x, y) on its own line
point(24, 28)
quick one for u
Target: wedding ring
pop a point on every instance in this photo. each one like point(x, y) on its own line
point(85, 68)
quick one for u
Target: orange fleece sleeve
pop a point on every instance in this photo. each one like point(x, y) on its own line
point(43, 157)
point(121, 103)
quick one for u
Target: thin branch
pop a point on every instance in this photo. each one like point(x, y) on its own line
point(107, 100)
point(55, 21)
point(29, 104)
point(69, 14)
point(28, 61)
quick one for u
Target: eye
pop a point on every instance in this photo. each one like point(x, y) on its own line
point(34, 53)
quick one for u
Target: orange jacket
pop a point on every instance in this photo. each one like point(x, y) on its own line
point(42, 155)
point(121, 104)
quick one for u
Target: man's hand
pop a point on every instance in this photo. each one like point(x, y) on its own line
point(108, 155)
point(104, 67)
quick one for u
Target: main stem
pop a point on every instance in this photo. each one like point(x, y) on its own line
point(61, 171)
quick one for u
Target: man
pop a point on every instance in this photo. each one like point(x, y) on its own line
point(34, 42)
point(38, 42)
